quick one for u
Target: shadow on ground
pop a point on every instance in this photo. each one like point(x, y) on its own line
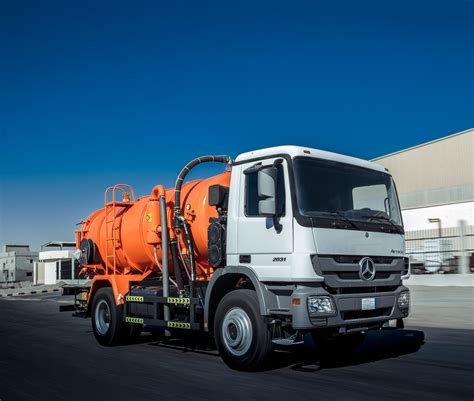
point(378, 345)
point(308, 357)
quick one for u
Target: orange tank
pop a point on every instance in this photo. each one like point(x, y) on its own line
point(125, 232)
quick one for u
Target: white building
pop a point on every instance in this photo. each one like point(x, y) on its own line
point(56, 263)
point(16, 263)
point(435, 183)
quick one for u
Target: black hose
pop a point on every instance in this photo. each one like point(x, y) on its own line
point(177, 268)
point(182, 175)
point(189, 242)
point(179, 220)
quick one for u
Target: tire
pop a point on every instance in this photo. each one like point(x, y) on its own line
point(337, 345)
point(107, 320)
point(242, 337)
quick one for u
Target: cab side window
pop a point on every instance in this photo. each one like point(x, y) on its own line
point(251, 193)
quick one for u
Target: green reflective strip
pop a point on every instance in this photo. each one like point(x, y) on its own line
point(179, 325)
point(172, 300)
point(134, 298)
point(138, 320)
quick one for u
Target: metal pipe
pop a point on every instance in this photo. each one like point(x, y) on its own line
point(191, 255)
point(161, 269)
point(464, 259)
point(189, 243)
point(164, 256)
point(177, 267)
point(440, 229)
point(185, 266)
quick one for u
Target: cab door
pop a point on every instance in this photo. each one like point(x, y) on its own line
point(260, 245)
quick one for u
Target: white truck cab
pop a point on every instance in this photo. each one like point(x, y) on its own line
point(321, 236)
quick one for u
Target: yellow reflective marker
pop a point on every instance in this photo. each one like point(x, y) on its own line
point(179, 325)
point(134, 298)
point(137, 320)
point(172, 300)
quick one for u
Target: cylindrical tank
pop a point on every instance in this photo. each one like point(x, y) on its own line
point(133, 228)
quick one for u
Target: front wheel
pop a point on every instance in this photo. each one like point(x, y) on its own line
point(242, 336)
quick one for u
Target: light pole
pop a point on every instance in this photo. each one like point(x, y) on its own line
point(439, 247)
point(436, 220)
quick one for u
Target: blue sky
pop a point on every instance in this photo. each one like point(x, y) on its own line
point(95, 93)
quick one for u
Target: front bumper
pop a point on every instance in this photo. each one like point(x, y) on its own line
point(349, 312)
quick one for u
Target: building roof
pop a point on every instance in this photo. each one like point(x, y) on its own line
point(56, 255)
point(60, 244)
point(15, 247)
point(444, 138)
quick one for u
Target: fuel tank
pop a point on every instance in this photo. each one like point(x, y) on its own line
point(121, 237)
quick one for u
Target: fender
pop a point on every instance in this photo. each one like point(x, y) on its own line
point(119, 283)
point(266, 299)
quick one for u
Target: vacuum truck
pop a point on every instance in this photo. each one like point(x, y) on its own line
point(286, 242)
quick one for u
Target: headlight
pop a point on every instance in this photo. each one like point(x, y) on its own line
point(404, 300)
point(321, 306)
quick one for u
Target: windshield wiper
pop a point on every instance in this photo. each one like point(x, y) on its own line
point(385, 218)
point(342, 218)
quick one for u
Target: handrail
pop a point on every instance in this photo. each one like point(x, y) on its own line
point(125, 189)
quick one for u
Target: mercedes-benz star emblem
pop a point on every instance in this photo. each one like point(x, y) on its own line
point(367, 269)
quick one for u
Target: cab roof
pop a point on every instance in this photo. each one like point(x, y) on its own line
point(294, 151)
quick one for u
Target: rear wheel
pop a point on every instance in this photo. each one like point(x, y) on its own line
point(107, 320)
point(242, 336)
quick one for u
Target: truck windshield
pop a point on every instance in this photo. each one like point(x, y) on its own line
point(329, 189)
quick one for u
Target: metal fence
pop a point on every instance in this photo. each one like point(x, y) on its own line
point(443, 250)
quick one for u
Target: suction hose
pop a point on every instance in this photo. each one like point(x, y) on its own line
point(179, 220)
point(184, 172)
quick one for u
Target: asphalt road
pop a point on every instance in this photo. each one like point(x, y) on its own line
point(47, 355)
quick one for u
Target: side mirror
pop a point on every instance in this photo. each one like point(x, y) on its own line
point(267, 191)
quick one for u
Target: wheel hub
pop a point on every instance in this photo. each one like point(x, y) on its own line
point(102, 317)
point(237, 331)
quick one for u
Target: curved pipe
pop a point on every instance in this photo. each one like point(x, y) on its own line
point(157, 191)
point(182, 175)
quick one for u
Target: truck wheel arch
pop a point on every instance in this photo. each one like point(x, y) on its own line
point(96, 286)
point(120, 285)
point(225, 280)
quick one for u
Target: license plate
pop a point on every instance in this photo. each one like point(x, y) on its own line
point(368, 303)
